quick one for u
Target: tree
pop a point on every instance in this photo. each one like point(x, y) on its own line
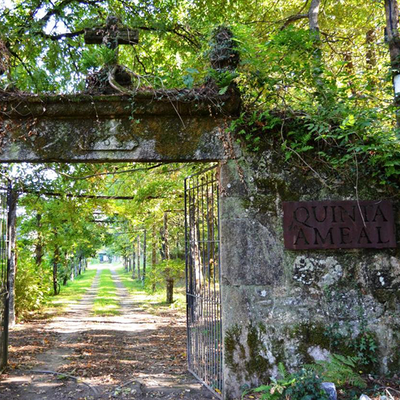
point(393, 39)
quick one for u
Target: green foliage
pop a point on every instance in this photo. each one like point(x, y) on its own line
point(306, 384)
point(303, 385)
point(153, 301)
point(188, 79)
point(223, 79)
point(334, 122)
point(361, 348)
point(31, 288)
point(98, 57)
point(156, 276)
point(341, 370)
point(365, 347)
point(332, 96)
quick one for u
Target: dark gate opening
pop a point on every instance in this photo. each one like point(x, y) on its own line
point(204, 333)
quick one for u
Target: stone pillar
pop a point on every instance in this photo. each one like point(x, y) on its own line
point(250, 263)
point(297, 307)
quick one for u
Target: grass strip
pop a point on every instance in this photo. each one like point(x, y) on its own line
point(73, 291)
point(106, 301)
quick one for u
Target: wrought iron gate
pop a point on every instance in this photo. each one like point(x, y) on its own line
point(204, 334)
point(4, 257)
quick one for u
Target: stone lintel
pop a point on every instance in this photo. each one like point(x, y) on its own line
point(85, 128)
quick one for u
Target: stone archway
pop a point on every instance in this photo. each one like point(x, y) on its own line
point(148, 127)
point(269, 314)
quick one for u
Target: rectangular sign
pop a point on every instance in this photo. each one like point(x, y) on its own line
point(338, 225)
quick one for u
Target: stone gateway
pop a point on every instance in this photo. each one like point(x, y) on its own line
point(282, 301)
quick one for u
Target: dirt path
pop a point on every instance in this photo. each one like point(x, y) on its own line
point(134, 355)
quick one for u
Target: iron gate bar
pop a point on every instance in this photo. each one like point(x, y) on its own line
point(204, 335)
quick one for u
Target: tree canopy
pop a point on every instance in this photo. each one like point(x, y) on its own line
point(46, 51)
point(318, 71)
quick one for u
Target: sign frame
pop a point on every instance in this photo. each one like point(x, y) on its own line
point(333, 224)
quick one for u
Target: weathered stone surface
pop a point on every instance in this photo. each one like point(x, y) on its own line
point(297, 307)
point(113, 128)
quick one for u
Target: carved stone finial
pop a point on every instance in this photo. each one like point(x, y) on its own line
point(223, 54)
point(112, 20)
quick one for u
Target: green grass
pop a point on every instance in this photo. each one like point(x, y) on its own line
point(73, 290)
point(106, 302)
point(153, 302)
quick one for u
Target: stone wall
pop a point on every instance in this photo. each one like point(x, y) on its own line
point(296, 307)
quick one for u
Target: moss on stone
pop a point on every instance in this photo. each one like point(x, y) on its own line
point(386, 296)
point(278, 350)
point(275, 185)
point(394, 363)
point(232, 344)
point(249, 360)
point(329, 338)
point(309, 335)
point(256, 365)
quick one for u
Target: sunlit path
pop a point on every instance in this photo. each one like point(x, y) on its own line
point(133, 354)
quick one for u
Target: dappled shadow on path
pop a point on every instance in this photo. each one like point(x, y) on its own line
point(134, 355)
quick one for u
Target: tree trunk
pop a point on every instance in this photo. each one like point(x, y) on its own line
point(154, 253)
point(133, 262)
point(313, 15)
point(349, 67)
point(138, 256)
point(166, 237)
point(126, 263)
point(80, 265)
point(55, 269)
point(169, 280)
point(65, 278)
point(39, 244)
point(170, 290)
point(371, 54)
point(72, 277)
point(12, 257)
point(154, 247)
point(144, 254)
point(392, 33)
